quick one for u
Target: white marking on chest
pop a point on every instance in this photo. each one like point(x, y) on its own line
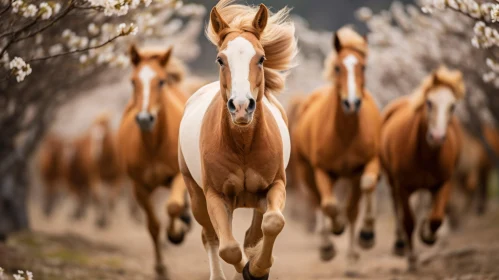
point(146, 75)
point(239, 53)
point(350, 62)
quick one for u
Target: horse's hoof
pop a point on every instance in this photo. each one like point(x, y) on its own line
point(428, 240)
point(366, 239)
point(327, 252)
point(399, 248)
point(338, 229)
point(176, 239)
point(161, 272)
point(247, 275)
point(186, 219)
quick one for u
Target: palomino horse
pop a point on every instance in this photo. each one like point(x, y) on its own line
point(234, 143)
point(420, 147)
point(470, 177)
point(51, 170)
point(148, 145)
point(336, 136)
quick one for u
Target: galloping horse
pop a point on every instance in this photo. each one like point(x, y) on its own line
point(148, 145)
point(420, 147)
point(51, 161)
point(336, 136)
point(234, 142)
point(470, 177)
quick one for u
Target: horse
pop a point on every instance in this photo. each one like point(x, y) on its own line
point(50, 163)
point(234, 142)
point(470, 177)
point(420, 147)
point(148, 141)
point(336, 136)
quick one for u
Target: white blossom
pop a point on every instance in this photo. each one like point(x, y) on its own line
point(57, 8)
point(93, 29)
point(55, 49)
point(45, 10)
point(16, 6)
point(30, 11)
point(20, 68)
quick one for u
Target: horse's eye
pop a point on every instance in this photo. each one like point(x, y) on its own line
point(429, 104)
point(337, 69)
point(452, 108)
point(134, 84)
point(220, 61)
point(363, 68)
point(162, 83)
point(262, 60)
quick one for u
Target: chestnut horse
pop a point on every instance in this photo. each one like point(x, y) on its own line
point(148, 145)
point(420, 146)
point(234, 142)
point(336, 136)
point(50, 162)
point(470, 177)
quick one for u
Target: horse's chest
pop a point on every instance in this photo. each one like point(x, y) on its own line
point(154, 173)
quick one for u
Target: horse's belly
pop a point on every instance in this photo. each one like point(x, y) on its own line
point(190, 128)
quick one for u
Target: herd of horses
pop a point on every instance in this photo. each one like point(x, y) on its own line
point(232, 145)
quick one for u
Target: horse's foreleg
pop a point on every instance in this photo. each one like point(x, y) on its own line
point(220, 213)
point(329, 204)
point(153, 225)
point(211, 245)
point(399, 246)
point(368, 183)
point(272, 224)
point(429, 227)
point(352, 213)
point(327, 250)
point(407, 220)
point(254, 232)
point(176, 209)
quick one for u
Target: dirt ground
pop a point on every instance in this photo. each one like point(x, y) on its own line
point(59, 249)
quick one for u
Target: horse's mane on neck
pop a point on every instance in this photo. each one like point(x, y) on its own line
point(278, 39)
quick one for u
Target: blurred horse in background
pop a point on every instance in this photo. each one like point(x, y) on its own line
point(336, 136)
point(470, 179)
point(148, 144)
point(51, 166)
point(420, 146)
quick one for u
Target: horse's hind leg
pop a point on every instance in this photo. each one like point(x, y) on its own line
point(154, 228)
point(273, 222)
point(352, 213)
point(408, 223)
point(312, 197)
point(368, 183)
point(177, 211)
point(254, 232)
point(429, 227)
point(329, 204)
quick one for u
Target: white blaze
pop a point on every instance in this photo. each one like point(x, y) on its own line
point(239, 53)
point(146, 75)
point(442, 101)
point(350, 62)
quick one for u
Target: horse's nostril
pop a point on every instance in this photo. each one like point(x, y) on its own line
point(346, 104)
point(251, 105)
point(151, 118)
point(358, 102)
point(231, 106)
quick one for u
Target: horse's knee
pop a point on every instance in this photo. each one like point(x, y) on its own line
point(368, 181)
point(273, 223)
point(174, 209)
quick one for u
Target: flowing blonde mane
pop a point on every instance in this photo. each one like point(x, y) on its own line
point(349, 39)
point(443, 76)
point(175, 68)
point(278, 39)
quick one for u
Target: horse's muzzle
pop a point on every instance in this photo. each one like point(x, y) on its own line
point(351, 106)
point(145, 121)
point(241, 110)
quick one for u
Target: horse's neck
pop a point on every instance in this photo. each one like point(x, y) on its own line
point(241, 139)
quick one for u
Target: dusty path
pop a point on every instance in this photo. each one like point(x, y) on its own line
point(124, 251)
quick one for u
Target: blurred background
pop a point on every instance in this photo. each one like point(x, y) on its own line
point(73, 71)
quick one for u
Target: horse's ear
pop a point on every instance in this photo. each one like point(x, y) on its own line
point(337, 42)
point(165, 57)
point(217, 22)
point(134, 55)
point(261, 19)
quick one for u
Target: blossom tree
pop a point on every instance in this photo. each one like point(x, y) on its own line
point(49, 50)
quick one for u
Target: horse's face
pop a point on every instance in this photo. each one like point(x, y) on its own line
point(148, 80)
point(439, 108)
point(350, 79)
point(241, 58)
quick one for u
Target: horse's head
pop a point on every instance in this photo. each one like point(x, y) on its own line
point(149, 78)
point(349, 66)
point(442, 90)
point(241, 57)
